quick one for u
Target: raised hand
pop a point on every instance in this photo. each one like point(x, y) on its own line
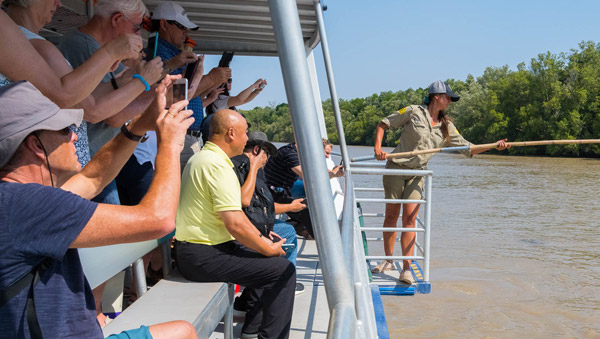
point(151, 70)
point(181, 59)
point(220, 74)
point(127, 46)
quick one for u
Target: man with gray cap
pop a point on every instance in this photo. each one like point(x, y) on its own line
point(46, 215)
point(423, 126)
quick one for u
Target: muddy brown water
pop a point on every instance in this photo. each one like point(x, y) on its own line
point(515, 249)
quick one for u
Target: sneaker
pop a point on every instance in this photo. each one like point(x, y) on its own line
point(248, 335)
point(407, 277)
point(299, 288)
point(383, 266)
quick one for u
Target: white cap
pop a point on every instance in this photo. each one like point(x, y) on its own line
point(170, 10)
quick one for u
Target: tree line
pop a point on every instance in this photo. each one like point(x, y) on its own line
point(555, 96)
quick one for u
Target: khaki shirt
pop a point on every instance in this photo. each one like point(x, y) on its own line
point(418, 134)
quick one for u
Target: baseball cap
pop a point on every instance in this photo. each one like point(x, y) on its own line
point(260, 138)
point(170, 10)
point(23, 110)
point(442, 87)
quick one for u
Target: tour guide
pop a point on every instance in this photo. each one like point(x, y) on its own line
point(423, 126)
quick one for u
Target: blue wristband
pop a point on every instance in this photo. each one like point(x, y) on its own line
point(137, 76)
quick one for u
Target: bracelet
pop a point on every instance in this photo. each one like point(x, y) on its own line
point(133, 137)
point(137, 76)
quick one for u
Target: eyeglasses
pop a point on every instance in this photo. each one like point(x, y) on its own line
point(178, 25)
point(138, 27)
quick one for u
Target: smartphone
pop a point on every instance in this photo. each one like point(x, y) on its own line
point(152, 46)
point(180, 90)
point(226, 59)
point(190, 70)
point(288, 247)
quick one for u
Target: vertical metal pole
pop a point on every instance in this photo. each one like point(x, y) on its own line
point(332, 90)
point(312, 69)
point(139, 275)
point(228, 319)
point(427, 235)
point(292, 57)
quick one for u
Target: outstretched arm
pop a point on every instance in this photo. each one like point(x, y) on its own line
point(246, 95)
point(23, 63)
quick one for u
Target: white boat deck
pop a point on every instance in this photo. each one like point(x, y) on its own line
point(311, 313)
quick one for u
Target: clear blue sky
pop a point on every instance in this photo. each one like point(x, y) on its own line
point(381, 45)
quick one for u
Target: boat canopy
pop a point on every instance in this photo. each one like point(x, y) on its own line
point(241, 26)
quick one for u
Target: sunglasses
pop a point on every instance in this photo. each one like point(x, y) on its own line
point(229, 80)
point(178, 25)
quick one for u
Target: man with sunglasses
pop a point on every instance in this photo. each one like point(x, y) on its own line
point(46, 214)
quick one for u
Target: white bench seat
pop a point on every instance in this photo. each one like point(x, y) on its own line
point(175, 298)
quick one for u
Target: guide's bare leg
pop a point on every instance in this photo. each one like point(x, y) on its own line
point(407, 239)
point(392, 212)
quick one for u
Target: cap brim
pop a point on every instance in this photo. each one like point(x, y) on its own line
point(188, 24)
point(271, 149)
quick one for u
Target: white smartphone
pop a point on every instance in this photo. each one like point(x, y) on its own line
point(180, 90)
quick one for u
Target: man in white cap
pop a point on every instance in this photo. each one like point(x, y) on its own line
point(46, 215)
point(171, 22)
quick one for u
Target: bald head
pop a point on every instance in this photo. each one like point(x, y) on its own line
point(222, 121)
point(228, 130)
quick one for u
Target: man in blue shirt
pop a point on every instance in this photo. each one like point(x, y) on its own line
point(46, 215)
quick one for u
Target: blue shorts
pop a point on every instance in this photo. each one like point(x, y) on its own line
point(139, 333)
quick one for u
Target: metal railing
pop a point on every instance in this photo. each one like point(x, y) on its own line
point(423, 222)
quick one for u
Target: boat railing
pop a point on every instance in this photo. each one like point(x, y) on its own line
point(423, 227)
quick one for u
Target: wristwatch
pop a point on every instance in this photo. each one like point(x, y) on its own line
point(131, 136)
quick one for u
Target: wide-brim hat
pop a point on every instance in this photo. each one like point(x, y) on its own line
point(439, 86)
point(170, 10)
point(23, 110)
point(260, 139)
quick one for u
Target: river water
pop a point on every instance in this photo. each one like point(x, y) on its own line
point(515, 249)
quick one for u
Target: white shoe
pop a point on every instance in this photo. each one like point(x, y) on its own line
point(407, 277)
point(383, 266)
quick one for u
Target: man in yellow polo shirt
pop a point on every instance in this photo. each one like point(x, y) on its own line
point(215, 241)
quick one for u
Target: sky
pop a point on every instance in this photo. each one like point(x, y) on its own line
point(392, 45)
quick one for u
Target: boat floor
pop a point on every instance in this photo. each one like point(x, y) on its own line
point(311, 312)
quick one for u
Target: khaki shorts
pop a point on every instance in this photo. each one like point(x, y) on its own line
point(402, 187)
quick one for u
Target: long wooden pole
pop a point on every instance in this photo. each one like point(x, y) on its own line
point(492, 145)
point(482, 146)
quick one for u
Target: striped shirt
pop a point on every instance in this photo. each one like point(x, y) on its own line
point(278, 170)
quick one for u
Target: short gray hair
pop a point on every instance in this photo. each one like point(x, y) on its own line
point(106, 8)
point(22, 3)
